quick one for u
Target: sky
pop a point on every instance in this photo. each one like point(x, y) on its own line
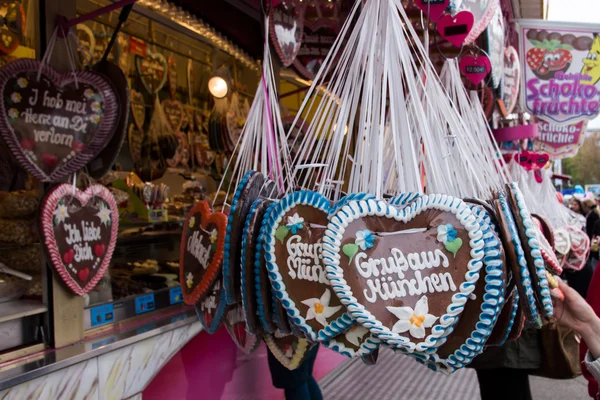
point(586, 11)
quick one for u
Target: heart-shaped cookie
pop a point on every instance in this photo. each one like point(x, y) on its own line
point(236, 326)
point(286, 29)
point(174, 112)
point(172, 75)
point(79, 230)
point(529, 235)
point(152, 70)
point(357, 341)
point(288, 349)
point(506, 320)
point(250, 294)
point(483, 12)
point(86, 42)
point(55, 125)
point(135, 139)
point(138, 109)
point(318, 37)
point(102, 164)
point(8, 41)
point(475, 68)
point(265, 300)
point(455, 29)
point(182, 153)
point(400, 271)
point(293, 244)
point(511, 79)
point(201, 251)
point(211, 309)
point(249, 189)
point(516, 259)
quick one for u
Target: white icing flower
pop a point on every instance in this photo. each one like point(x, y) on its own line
point(88, 93)
point(15, 97)
point(104, 214)
point(189, 281)
point(95, 119)
point(22, 83)
point(319, 308)
point(96, 106)
point(355, 334)
point(214, 235)
point(295, 223)
point(13, 113)
point(61, 214)
point(415, 320)
point(364, 239)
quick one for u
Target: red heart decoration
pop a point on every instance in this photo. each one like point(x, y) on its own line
point(99, 249)
point(455, 29)
point(475, 68)
point(434, 8)
point(54, 113)
point(539, 160)
point(76, 227)
point(286, 28)
point(201, 252)
point(83, 274)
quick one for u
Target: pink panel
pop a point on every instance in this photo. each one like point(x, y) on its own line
point(213, 367)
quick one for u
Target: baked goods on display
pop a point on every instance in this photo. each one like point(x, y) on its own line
point(293, 244)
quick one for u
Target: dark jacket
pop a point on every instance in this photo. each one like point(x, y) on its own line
point(592, 223)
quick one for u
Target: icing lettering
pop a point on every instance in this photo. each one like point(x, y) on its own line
point(304, 260)
point(195, 248)
point(386, 278)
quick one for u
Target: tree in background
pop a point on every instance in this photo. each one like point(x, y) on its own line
point(584, 168)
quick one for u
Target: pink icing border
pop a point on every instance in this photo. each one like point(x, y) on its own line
point(481, 25)
point(46, 214)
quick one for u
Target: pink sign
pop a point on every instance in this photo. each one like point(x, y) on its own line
point(560, 141)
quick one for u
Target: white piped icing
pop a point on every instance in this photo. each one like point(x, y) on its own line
point(358, 209)
point(531, 232)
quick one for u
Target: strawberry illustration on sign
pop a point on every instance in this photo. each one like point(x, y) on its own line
point(549, 57)
point(79, 230)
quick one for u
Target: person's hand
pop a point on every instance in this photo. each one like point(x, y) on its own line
point(575, 313)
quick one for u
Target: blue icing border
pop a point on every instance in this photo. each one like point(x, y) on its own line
point(357, 209)
point(536, 255)
point(346, 199)
point(316, 200)
point(260, 307)
point(251, 212)
point(227, 246)
point(368, 346)
point(511, 322)
point(216, 321)
point(404, 198)
point(534, 317)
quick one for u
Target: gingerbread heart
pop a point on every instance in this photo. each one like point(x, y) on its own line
point(172, 75)
point(236, 327)
point(288, 349)
point(201, 251)
point(354, 342)
point(286, 29)
point(405, 273)
point(56, 124)
point(79, 230)
point(138, 109)
point(511, 79)
point(483, 12)
point(455, 29)
point(293, 244)
point(174, 112)
point(211, 309)
point(152, 70)
point(318, 37)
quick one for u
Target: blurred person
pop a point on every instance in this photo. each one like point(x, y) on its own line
point(575, 205)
